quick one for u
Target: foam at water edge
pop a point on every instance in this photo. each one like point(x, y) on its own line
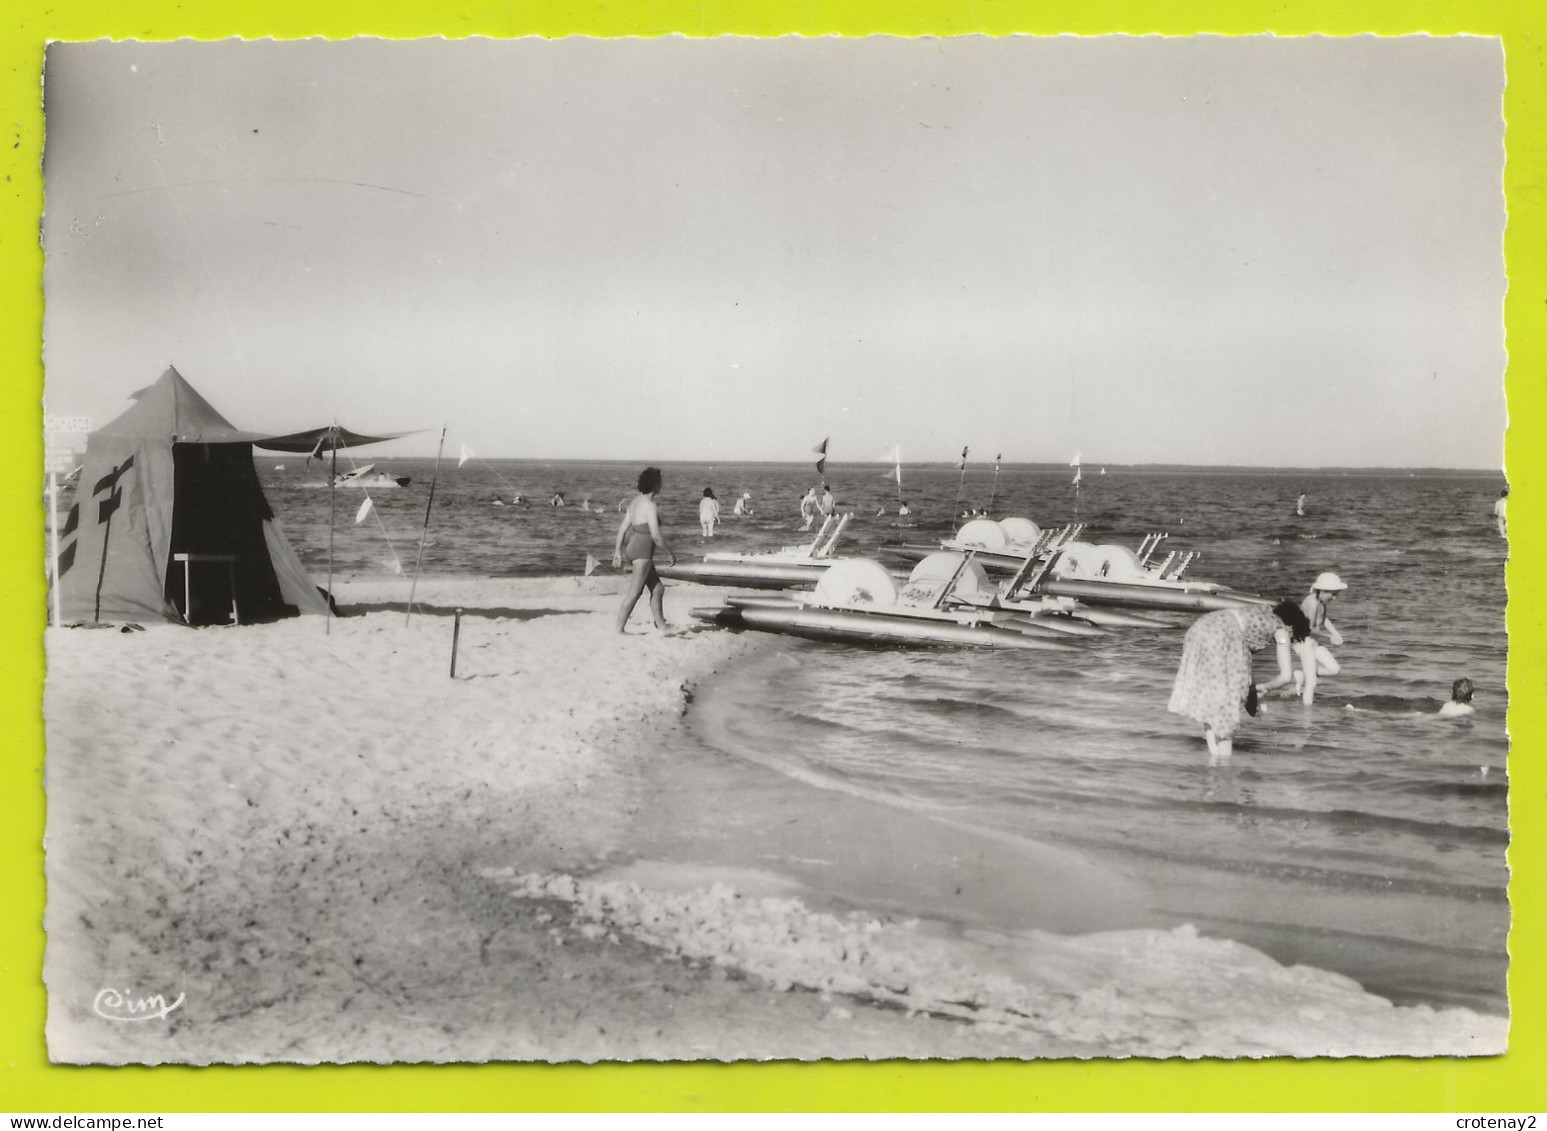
point(1147, 993)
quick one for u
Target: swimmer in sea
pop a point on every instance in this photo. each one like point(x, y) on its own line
point(638, 535)
point(1460, 704)
point(1499, 509)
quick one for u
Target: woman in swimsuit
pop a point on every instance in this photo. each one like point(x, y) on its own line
point(638, 535)
point(1323, 590)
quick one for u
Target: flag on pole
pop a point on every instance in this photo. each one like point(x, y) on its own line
point(364, 511)
point(892, 456)
point(591, 562)
point(963, 465)
point(1075, 462)
point(467, 454)
point(821, 451)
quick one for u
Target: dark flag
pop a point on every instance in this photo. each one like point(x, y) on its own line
point(72, 520)
point(963, 465)
point(66, 559)
point(821, 450)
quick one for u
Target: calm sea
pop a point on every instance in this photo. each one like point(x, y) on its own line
point(1365, 835)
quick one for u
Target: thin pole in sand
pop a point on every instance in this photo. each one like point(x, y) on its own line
point(332, 508)
point(456, 631)
point(424, 533)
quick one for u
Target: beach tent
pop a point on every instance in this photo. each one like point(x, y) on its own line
point(170, 522)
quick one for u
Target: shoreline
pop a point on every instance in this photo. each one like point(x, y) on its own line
point(337, 853)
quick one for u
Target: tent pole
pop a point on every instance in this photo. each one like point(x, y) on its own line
point(424, 533)
point(332, 507)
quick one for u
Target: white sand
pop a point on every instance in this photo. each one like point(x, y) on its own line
point(334, 851)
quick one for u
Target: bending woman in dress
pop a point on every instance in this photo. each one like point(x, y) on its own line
point(638, 535)
point(1215, 677)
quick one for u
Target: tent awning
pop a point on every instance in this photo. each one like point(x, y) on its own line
point(318, 440)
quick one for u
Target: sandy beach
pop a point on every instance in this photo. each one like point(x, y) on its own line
point(317, 846)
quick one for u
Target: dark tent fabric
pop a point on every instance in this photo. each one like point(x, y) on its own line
point(172, 476)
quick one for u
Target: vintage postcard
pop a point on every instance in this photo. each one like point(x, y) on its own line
point(733, 549)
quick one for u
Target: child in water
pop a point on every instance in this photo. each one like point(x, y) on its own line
point(1460, 704)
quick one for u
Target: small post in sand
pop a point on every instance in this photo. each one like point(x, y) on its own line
point(456, 632)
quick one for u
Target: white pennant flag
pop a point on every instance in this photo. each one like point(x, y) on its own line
point(591, 562)
point(467, 454)
point(365, 509)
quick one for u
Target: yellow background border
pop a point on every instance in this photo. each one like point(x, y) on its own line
point(1512, 1083)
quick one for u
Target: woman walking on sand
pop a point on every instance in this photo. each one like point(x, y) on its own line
point(1214, 680)
point(638, 535)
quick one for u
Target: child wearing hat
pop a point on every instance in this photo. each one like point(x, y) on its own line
point(1323, 590)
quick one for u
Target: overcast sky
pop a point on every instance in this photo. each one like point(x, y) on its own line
point(1209, 251)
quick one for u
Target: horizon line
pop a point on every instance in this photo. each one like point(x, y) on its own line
point(1058, 466)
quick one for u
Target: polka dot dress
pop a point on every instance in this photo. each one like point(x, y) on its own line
point(1216, 668)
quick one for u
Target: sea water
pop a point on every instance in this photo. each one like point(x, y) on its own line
point(1365, 835)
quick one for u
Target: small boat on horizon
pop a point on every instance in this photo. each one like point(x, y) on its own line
point(367, 476)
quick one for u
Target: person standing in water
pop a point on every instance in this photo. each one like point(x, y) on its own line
point(638, 535)
point(808, 508)
point(1214, 679)
point(708, 513)
point(1300, 505)
point(1499, 507)
point(1326, 587)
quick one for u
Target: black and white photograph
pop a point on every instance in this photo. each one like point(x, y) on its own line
point(737, 549)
